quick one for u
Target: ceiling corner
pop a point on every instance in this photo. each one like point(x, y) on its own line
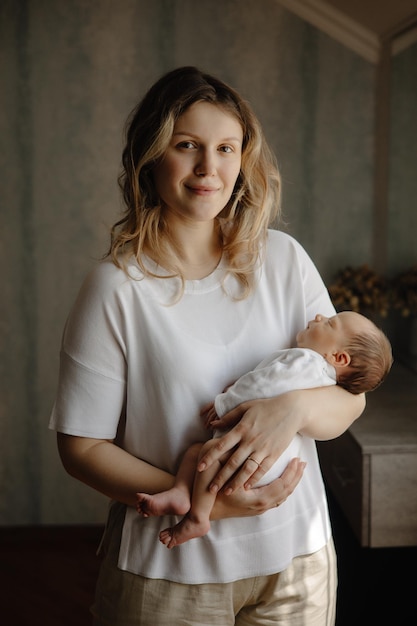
point(336, 24)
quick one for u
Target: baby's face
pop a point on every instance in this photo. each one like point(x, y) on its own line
point(328, 335)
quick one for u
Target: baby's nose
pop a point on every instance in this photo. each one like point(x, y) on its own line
point(318, 318)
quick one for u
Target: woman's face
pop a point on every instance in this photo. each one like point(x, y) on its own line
point(198, 172)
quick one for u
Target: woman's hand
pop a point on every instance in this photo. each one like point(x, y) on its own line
point(264, 430)
point(246, 503)
point(266, 427)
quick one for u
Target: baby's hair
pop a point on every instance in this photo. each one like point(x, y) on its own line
point(371, 361)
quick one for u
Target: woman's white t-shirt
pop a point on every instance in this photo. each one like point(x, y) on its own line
point(137, 368)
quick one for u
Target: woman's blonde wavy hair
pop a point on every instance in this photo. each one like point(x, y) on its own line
point(253, 206)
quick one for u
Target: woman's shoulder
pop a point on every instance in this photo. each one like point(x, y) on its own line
point(108, 276)
point(275, 236)
point(105, 282)
point(282, 244)
point(286, 254)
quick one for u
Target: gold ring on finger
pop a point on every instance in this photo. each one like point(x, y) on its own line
point(250, 458)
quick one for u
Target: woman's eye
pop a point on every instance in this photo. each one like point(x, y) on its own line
point(226, 149)
point(188, 145)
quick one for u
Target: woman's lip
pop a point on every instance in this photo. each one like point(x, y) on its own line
point(201, 190)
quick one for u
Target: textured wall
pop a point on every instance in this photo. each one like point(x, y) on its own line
point(71, 70)
point(402, 224)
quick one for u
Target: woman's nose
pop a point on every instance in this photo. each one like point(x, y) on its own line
point(206, 164)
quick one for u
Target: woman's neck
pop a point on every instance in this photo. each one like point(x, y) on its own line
point(199, 249)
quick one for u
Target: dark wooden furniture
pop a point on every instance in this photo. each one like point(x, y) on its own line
point(371, 470)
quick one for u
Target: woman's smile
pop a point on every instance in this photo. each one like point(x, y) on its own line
point(202, 191)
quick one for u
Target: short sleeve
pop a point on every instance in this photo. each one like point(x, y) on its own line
point(88, 404)
point(90, 396)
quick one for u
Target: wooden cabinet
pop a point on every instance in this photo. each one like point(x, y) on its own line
point(371, 469)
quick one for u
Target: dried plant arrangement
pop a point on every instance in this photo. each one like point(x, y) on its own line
point(404, 292)
point(360, 289)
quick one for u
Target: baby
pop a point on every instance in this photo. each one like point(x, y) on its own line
point(346, 349)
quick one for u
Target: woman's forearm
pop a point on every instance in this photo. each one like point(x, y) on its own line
point(118, 475)
point(109, 469)
point(327, 412)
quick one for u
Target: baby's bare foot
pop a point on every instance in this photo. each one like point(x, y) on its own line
point(172, 502)
point(185, 530)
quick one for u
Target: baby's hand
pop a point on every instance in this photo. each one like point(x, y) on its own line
point(208, 413)
point(226, 422)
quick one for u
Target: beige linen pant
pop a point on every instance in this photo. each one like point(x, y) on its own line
point(302, 595)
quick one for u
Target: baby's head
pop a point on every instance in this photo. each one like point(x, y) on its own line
point(359, 351)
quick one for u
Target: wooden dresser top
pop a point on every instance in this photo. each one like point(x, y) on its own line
point(389, 422)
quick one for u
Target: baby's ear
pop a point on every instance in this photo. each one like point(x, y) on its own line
point(341, 359)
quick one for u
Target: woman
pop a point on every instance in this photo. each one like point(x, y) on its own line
point(194, 292)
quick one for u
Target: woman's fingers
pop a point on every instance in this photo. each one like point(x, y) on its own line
point(248, 475)
point(236, 465)
point(288, 480)
point(259, 473)
point(245, 503)
point(276, 493)
point(242, 462)
point(223, 444)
